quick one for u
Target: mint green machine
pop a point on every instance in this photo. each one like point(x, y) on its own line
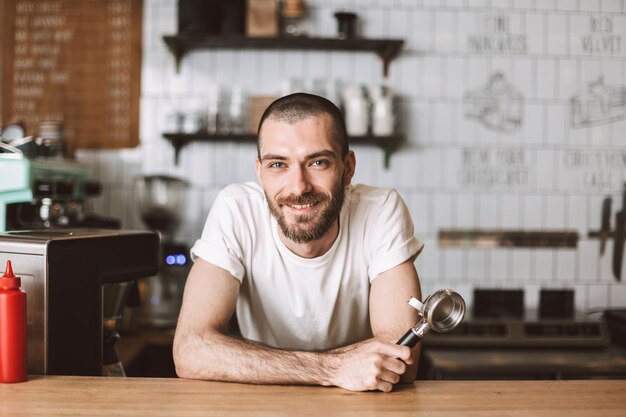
point(41, 193)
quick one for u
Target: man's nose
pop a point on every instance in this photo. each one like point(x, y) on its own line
point(299, 181)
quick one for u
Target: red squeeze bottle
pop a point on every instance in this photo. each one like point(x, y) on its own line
point(13, 354)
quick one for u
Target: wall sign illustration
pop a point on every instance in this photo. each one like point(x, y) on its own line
point(497, 106)
point(497, 37)
point(599, 104)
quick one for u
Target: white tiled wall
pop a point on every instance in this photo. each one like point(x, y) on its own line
point(568, 170)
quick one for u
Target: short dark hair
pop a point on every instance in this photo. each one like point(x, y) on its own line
point(298, 106)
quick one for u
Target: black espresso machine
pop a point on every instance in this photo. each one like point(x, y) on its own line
point(76, 282)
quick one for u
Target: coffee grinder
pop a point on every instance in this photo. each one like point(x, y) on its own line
point(159, 199)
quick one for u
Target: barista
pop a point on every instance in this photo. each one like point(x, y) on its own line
point(313, 265)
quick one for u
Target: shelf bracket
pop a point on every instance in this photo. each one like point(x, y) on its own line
point(178, 146)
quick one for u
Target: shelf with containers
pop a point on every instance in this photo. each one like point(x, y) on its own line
point(181, 44)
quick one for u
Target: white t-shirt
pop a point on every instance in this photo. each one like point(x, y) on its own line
point(291, 302)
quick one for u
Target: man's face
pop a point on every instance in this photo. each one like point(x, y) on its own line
point(303, 176)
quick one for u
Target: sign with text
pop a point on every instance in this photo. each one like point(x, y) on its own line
point(75, 61)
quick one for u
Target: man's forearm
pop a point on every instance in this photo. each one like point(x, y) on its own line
point(218, 357)
point(372, 364)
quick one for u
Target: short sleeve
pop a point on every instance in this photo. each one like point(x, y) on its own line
point(390, 238)
point(219, 243)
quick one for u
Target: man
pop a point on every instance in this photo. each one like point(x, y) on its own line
point(319, 271)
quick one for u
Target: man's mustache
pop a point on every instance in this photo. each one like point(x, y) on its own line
point(308, 198)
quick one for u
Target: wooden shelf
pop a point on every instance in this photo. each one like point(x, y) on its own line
point(179, 140)
point(179, 45)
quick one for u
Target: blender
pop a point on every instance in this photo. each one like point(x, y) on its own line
point(159, 199)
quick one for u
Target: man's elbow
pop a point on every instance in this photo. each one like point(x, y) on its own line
point(182, 361)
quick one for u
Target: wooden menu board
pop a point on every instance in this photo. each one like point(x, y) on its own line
point(78, 61)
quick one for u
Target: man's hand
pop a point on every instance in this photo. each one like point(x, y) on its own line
point(369, 365)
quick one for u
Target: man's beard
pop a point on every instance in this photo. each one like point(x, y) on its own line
point(308, 227)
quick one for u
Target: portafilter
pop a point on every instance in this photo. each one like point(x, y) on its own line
point(442, 311)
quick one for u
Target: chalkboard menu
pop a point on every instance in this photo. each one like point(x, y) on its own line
point(75, 61)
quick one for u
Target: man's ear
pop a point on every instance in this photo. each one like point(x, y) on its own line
point(349, 164)
point(258, 170)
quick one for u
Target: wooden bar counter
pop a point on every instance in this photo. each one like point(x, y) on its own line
point(53, 396)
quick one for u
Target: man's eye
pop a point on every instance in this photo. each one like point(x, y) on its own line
point(320, 163)
point(277, 165)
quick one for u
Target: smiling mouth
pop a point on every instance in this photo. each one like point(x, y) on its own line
point(301, 206)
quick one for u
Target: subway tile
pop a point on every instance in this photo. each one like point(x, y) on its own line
point(534, 120)
point(591, 71)
point(580, 297)
point(543, 266)
point(373, 23)
point(432, 79)
point(453, 263)
point(480, 4)
point(511, 211)
point(555, 212)
point(557, 34)
point(617, 296)
point(443, 125)
point(442, 211)
point(546, 4)
point(488, 211)
point(531, 297)
point(533, 214)
point(546, 79)
point(613, 72)
point(568, 81)
point(454, 82)
point(535, 32)
point(465, 211)
point(499, 266)
point(476, 264)
point(521, 265)
point(612, 6)
point(521, 75)
point(445, 30)
point(567, 5)
point(424, 121)
point(597, 297)
point(501, 4)
point(524, 4)
point(325, 22)
point(423, 28)
point(558, 116)
point(577, 213)
point(565, 265)
point(398, 24)
point(468, 25)
point(587, 261)
point(590, 6)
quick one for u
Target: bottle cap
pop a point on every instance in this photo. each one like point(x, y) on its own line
point(9, 280)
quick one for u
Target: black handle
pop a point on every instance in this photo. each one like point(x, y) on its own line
point(409, 339)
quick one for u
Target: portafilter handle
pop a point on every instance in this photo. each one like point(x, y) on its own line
point(414, 335)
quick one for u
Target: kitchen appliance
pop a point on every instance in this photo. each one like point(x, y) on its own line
point(76, 280)
point(47, 194)
point(159, 199)
point(442, 311)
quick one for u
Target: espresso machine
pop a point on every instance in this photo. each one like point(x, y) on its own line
point(76, 281)
point(43, 193)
